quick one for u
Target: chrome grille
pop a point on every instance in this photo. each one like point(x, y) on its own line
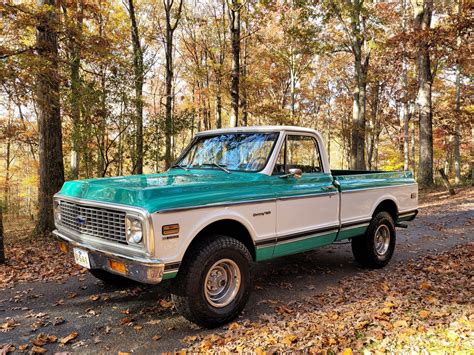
point(93, 221)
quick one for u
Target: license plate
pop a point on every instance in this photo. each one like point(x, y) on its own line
point(82, 258)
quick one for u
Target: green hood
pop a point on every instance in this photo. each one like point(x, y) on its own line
point(173, 189)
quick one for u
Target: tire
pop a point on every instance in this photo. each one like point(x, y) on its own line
point(111, 279)
point(196, 293)
point(376, 247)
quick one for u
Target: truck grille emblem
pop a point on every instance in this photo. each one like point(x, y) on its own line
point(81, 220)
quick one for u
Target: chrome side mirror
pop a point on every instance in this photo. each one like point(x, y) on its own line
point(296, 173)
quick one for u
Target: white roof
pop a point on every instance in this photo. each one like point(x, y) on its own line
point(257, 129)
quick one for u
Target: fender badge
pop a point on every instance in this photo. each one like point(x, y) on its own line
point(262, 213)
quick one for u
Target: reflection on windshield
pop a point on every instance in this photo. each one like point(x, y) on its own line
point(233, 151)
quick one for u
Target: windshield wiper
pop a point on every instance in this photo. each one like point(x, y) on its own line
point(177, 165)
point(222, 167)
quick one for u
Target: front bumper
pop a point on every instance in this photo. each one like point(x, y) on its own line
point(144, 270)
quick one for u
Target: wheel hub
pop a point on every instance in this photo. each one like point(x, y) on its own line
point(382, 240)
point(222, 283)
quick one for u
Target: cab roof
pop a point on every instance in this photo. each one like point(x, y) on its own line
point(256, 129)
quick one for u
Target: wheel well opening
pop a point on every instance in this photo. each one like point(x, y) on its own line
point(227, 227)
point(387, 206)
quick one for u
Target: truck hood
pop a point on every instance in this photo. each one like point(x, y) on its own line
point(173, 189)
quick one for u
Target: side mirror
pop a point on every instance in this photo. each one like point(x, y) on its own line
point(296, 173)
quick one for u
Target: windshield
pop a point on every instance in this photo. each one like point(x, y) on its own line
point(230, 152)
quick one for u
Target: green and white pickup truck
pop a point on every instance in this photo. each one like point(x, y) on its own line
point(234, 197)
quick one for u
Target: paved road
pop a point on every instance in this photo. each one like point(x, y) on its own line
point(127, 319)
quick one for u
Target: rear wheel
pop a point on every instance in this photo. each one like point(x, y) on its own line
point(375, 248)
point(110, 279)
point(214, 283)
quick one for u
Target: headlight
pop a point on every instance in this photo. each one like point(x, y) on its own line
point(133, 229)
point(57, 211)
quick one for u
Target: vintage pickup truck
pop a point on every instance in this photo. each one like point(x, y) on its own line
point(234, 197)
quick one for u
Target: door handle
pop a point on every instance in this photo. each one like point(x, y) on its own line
point(328, 188)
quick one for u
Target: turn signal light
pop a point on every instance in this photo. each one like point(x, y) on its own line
point(118, 266)
point(170, 229)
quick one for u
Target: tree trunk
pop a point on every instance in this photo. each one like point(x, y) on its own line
point(51, 166)
point(422, 10)
point(358, 120)
point(361, 64)
point(457, 130)
point(374, 130)
point(75, 52)
point(218, 106)
point(170, 28)
point(406, 137)
point(405, 112)
point(2, 243)
point(292, 85)
point(234, 22)
point(245, 113)
point(8, 159)
point(138, 73)
point(413, 142)
point(102, 127)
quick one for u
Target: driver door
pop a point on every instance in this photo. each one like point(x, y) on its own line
point(307, 206)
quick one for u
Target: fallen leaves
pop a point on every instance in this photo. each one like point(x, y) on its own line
point(408, 308)
point(290, 339)
point(43, 339)
point(35, 259)
point(38, 350)
point(8, 325)
point(68, 338)
point(424, 314)
point(166, 304)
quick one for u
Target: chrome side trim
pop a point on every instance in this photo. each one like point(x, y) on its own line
point(376, 188)
point(246, 202)
point(218, 204)
point(297, 197)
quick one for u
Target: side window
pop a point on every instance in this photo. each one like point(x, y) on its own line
point(302, 153)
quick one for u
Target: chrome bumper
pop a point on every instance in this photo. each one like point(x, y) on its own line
point(149, 271)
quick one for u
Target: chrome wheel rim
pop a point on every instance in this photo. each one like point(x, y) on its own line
point(382, 239)
point(222, 283)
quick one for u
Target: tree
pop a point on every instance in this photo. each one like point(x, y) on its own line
point(170, 12)
point(2, 244)
point(422, 11)
point(357, 42)
point(139, 79)
point(457, 110)
point(74, 35)
point(235, 6)
point(51, 168)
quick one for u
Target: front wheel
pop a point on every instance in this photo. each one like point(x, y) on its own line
point(375, 248)
point(214, 283)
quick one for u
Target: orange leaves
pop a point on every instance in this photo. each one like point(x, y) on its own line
point(36, 259)
point(68, 338)
point(424, 314)
point(395, 310)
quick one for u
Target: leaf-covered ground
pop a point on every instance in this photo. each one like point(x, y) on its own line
point(35, 259)
point(422, 305)
point(320, 300)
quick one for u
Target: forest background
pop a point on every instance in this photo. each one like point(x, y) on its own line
point(105, 88)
